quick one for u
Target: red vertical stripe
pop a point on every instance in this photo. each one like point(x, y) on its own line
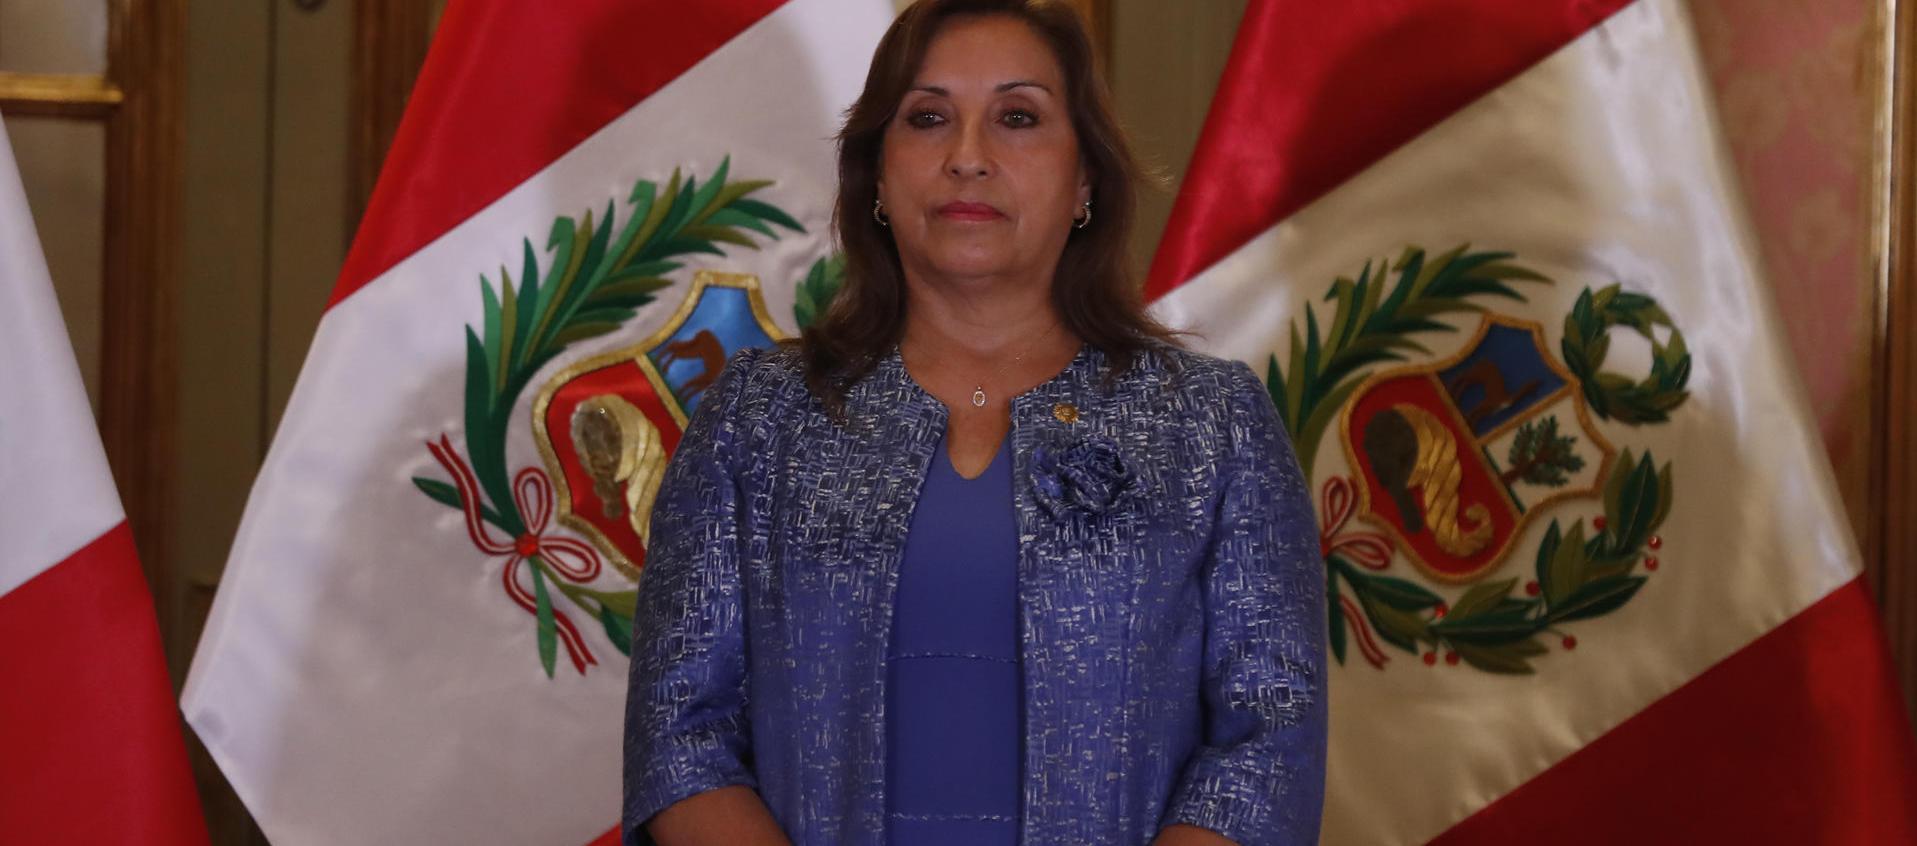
point(508, 87)
point(90, 745)
point(1317, 91)
point(1801, 737)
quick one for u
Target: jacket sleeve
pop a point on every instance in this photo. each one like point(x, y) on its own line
point(1258, 778)
point(686, 725)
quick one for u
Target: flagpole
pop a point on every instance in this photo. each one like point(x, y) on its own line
point(1892, 542)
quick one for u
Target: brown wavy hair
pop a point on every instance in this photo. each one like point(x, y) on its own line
point(1092, 289)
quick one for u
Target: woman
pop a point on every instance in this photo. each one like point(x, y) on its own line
point(984, 558)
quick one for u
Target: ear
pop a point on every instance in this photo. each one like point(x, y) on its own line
point(1084, 184)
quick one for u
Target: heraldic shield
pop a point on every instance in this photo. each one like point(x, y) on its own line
point(607, 424)
point(1455, 456)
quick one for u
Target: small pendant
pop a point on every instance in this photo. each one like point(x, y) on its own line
point(978, 397)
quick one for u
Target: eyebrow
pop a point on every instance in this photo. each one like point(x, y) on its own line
point(1000, 88)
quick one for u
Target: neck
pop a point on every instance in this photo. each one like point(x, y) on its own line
point(980, 319)
point(1001, 338)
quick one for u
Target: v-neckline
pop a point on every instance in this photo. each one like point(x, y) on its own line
point(945, 456)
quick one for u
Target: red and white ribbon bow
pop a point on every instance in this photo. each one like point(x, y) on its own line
point(573, 559)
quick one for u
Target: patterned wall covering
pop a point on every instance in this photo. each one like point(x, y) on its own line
point(1796, 84)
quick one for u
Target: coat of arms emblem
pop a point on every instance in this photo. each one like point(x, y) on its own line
point(1452, 459)
point(606, 424)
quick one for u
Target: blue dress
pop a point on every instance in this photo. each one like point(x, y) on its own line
point(952, 697)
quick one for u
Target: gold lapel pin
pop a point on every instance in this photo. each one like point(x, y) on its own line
point(1065, 412)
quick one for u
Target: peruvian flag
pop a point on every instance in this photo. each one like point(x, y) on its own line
point(1590, 581)
point(90, 745)
point(421, 633)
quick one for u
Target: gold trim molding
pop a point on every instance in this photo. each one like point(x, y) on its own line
point(88, 96)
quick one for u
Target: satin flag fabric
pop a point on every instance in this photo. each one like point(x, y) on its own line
point(1589, 578)
point(421, 633)
point(90, 744)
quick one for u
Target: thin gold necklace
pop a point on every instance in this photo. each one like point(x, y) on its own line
point(978, 388)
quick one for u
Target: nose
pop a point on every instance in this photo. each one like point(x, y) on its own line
point(968, 157)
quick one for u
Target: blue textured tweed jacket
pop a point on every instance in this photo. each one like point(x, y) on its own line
point(1171, 603)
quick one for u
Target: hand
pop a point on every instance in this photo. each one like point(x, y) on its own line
point(728, 816)
point(1190, 835)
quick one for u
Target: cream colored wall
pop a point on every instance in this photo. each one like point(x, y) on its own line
point(309, 229)
point(53, 36)
point(264, 232)
point(1165, 61)
point(222, 290)
point(63, 168)
point(63, 162)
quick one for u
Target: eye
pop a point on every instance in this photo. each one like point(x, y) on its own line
point(923, 119)
point(1020, 119)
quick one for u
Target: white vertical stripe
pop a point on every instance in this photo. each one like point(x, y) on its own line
point(56, 493)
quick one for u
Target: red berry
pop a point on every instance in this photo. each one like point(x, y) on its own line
point(1441, 610)
point(1656, 542)
point(1650, 563)
point(1597, 523)
point(1570, 642)
point(1430, 659)
point(1451, 658)
point(1532, 588)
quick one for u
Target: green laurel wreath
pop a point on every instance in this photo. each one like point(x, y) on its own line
point(1577, 578)
point(1587, 340)
point(594, 283)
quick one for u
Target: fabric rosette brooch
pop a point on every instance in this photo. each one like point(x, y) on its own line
point(1084, 474)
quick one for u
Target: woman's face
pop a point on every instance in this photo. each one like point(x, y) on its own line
point(980, 173)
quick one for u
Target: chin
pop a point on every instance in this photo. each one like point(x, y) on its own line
point(971, 260)
point(970, 269)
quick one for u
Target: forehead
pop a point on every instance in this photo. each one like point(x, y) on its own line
point(973, 52)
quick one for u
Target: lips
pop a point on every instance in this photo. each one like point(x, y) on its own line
point(969, 211)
